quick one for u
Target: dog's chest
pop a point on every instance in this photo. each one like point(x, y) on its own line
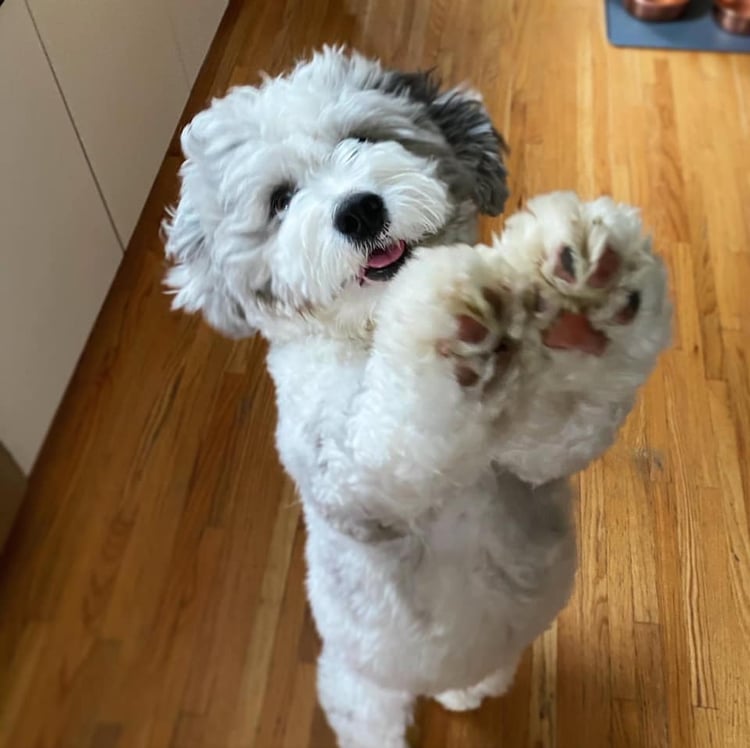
point(315, 385)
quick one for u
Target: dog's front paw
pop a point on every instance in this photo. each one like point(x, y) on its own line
point(452, 312)
point(480, 345)
point(584, 298)
point(599, 289)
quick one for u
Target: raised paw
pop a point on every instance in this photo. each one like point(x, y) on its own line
point(586, 294)
point(480, 346)
point(590, 268)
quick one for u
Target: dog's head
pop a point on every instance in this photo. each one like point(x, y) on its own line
point(314, 187)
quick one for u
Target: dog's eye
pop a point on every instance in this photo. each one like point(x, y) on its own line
point(280, 199)
point(363, 139)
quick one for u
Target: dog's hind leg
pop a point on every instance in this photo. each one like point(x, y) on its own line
point(466, 699)
point(361, 713)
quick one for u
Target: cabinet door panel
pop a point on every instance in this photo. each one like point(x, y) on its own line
point(195, 24)
point(58, 251)
point(120, 72)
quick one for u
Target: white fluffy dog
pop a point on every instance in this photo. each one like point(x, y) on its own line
point(432, 399)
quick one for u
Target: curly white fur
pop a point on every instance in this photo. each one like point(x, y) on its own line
point(431, 458)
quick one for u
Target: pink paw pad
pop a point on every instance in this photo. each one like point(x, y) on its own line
point(605, 270)
point(600, 276)
point(574, 332)
point(466, 376)
point(470, 330)
point(479, 353)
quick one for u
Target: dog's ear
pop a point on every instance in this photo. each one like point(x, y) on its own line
point(465, 124)
point(467, 127)
point(196, 278)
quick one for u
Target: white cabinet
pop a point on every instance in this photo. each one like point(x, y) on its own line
point(125, 68)
point(90, 94)
point(195, 23)
point(120, 73)
point(58, 251)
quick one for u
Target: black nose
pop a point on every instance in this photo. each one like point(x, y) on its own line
point(361, 217)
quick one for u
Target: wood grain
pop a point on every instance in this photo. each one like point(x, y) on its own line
point(151, 593)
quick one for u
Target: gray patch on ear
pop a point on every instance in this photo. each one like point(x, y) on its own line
point(195, 281)
point(477, 144)
point(422, 86)
point(477, 170)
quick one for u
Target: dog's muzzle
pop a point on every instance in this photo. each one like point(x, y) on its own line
point(361, 217)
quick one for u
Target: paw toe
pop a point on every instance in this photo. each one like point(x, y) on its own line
point(495, 300)
point(470, 330)
point(605, 269)
point(466, 376)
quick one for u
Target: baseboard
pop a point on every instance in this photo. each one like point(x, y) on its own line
point(12, 490)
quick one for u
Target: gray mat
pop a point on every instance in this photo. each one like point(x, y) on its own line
point(696, 30)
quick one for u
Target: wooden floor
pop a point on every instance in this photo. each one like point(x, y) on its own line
point(151, 594)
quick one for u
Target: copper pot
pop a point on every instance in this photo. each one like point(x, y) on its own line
point(733, 15)
point(656, 10)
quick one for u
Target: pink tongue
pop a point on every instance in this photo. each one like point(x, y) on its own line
point(387, 256)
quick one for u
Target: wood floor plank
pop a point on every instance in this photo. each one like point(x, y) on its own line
point(584, 640)
point(627, 725)
point(674, 626)
point(266, 622)
point(651, 690)
point(152, 589)
point(543, 700)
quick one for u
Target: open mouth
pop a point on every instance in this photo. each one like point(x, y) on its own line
point(384, 262)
